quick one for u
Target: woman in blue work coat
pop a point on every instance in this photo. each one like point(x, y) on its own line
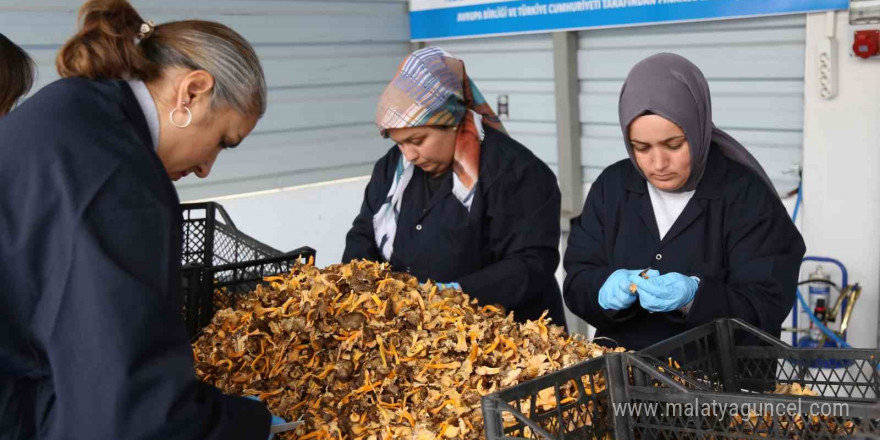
point(457, 200)
point(92, 344)
point(692, 205)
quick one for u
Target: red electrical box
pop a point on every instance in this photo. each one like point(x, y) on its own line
point(866, 43)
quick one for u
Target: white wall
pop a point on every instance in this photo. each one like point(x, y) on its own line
point(316, 215)
point(841, 179)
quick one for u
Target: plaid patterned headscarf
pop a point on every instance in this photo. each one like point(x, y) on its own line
point(431, 88)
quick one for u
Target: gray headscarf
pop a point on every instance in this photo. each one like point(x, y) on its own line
point(670, 86)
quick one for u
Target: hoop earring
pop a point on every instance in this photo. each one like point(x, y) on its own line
point(189, 118)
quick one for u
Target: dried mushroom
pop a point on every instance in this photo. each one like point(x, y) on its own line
point(794, 424)
point(633, 289)
point(363, 353)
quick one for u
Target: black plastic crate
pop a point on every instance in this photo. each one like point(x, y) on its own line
point(734, 356)
point(730, 365)
point(671, 407)
point(716, 368)
point(572, 403)
point(210, 238)
point(217, 257)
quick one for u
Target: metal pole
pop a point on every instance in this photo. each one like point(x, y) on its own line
point(568, 141)
point(568, 124)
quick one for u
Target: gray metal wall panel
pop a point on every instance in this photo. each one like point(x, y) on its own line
point(326, 63)
point(755, 69)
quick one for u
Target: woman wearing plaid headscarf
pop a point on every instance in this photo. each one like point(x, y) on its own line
point(456, 200)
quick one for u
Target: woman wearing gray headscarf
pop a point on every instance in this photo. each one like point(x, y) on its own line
point(693, 207)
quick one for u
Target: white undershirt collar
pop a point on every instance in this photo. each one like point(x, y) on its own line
point(668, 206)
point(148, 106)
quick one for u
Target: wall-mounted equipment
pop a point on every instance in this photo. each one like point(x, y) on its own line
point(864, 17)
point(828, 67)
point(503, 107)
point(866, 44)
point(864, 12)
point(828, 58)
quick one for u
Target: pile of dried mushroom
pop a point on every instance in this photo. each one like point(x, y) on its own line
point(362, 353)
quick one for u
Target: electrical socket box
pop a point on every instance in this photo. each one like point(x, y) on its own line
point(864, 41)
point(828, 68)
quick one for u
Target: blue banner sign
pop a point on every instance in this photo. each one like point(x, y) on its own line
point(443, 19)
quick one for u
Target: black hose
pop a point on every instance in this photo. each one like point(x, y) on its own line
point(822, 282)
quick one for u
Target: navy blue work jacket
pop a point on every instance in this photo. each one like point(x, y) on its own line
point(505, 250)
point(734, 234)
point(92, 343)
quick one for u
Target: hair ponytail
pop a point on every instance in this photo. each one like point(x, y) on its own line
point(106, 44)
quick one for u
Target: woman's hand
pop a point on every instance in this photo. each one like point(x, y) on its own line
point(444, 286)
point(615, 293)
point(275, 419)
point(665, 293)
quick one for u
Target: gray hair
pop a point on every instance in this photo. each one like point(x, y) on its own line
point(239, 80)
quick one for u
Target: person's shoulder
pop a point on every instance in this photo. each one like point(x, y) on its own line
point(76, 95)
point(615, 174)
point(392, 155)
point(76, 85)
point(506, 152)
point(385, 166)
point(743, 191)
point(608, 188)
point(71, 132)
point(742, 184)
point(69, 107)
point(67, 112)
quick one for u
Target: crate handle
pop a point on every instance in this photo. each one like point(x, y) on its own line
point(208, 206)
point(504, 406)
point(639, 362)
point(760, 334)
point(655, 363)
point(225, 216)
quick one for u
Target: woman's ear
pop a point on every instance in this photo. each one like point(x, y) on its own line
point(195, 87)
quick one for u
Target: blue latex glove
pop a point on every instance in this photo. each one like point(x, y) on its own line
point(615, 293)
point(275, 419)
point(454, 286)
point(665, 293)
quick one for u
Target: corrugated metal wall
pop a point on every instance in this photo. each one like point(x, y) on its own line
point(755, 69)
point(326, 62)
point(522, 68)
